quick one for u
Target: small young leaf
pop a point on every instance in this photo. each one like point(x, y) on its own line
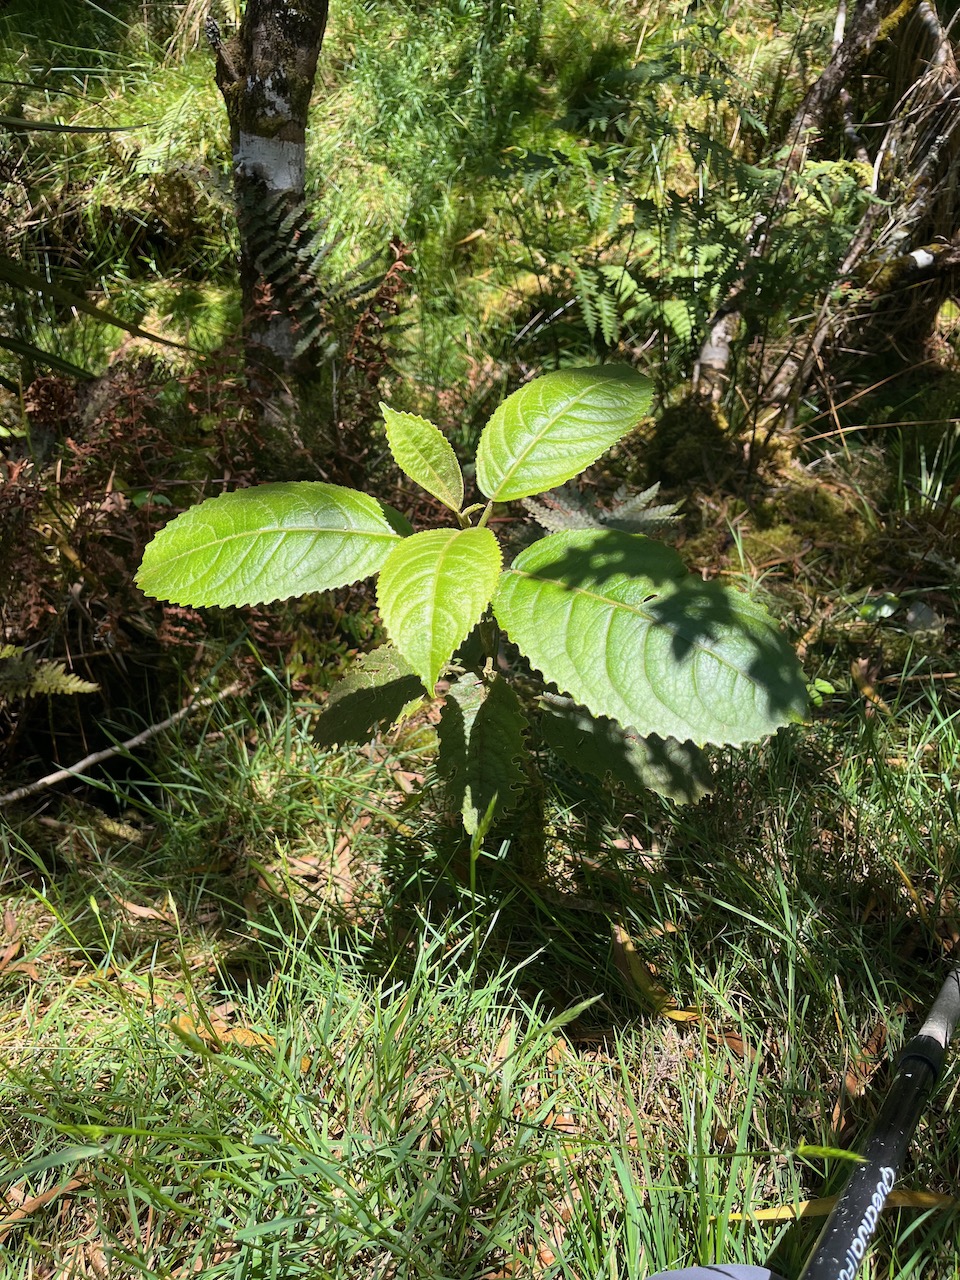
point(481, 747)
point(374, 692)
point(424, 453)
point(267, 543)
point(599, 746)
point(549, 430)
point(612, 619)
point(432, 589)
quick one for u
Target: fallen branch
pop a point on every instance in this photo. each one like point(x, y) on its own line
point(63, 775)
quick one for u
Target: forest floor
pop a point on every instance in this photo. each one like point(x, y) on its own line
point(263, 1014)
point(272, 1018)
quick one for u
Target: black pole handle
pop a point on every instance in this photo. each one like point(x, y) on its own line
point(847, 1232)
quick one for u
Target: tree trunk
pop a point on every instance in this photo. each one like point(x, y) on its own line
point(266, 72)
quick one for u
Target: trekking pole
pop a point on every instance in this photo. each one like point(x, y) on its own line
point(843, 1241)
point(846, 1233)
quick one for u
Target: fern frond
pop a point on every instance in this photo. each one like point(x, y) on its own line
point(24, 676)
point(288, 248)
point(567, 508)
point(635, 513)
point(563, 509)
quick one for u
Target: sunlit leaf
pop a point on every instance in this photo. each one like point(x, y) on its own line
point(549, 430)
point(432, 590)
point(267, 543)
point(612, 619)
point(424, 453)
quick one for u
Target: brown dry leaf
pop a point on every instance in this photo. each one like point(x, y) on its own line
point(216, 1033)
point(733, 1040)
point(26, 967)
point(208, 1032)
point(10, 927)
point(247, 1038)
point(10, 953)
point(304, 866)
point(138, 912)
point(505, 1046)
point(557, 1052)
point(631, 844)
point(821, 1208)
point(644, 985)
point(27, 1207)
point(406, 780)
point(561, 1121)
point(863, 679)
point(860, 1071)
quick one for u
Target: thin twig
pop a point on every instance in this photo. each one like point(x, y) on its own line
point(63, 775)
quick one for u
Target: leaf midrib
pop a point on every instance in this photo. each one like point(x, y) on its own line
point(536, 440)
point(196, 547)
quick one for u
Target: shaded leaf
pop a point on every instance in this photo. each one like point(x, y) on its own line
point(267, 543)
point(548, 431)
point(432, 589)
point(600, 746)
point(372, 694)
point(423, 453)
point(613, 620)
point(481, 747)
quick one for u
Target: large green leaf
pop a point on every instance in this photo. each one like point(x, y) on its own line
point(432, 589)
point(600, 746)
point(267, 543)
point(374, 692)
point(612, 619)
point(549, 430)
point(481, 747)
point(424, 453)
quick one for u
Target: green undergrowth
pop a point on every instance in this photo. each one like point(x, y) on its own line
point(268, 1021)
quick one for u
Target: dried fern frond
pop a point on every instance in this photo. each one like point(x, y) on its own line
point(567, 508)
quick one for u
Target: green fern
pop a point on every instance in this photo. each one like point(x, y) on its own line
point(24, 676)
point(288, 250)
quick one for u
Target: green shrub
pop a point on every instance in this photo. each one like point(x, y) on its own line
point(642, 664)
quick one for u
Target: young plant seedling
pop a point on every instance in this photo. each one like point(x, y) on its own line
point(642, 663)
